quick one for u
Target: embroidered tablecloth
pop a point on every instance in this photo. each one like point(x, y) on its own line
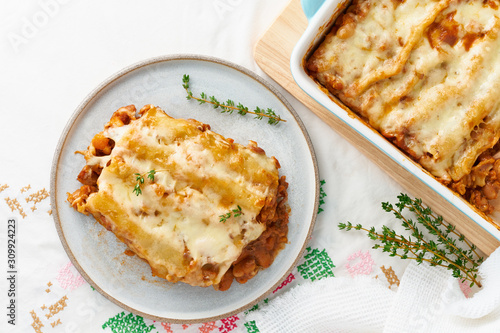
point(54, 52)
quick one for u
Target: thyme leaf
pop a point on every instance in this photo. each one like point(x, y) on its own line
point(151, 175)
point(233, 212)
point(139, 178)
point(230, 106)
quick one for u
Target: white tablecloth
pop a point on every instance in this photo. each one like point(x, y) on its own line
point(53, 53)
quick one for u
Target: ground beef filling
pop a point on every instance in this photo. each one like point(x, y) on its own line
point(261, 253)
point(482, 184)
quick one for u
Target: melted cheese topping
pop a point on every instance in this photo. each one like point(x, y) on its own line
point(426, 74)
point(175, 223)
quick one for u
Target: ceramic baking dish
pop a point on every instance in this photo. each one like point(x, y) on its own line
point(321, 15)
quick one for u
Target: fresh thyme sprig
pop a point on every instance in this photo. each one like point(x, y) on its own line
point(443, 250)
point(230, 106)
point(139, 178)
point(233, 212)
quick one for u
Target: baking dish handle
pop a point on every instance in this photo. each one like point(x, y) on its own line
point(310, 7)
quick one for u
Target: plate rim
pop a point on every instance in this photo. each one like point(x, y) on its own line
point(80, 109)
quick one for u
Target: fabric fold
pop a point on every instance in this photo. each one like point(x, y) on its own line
point(342, 304)
point(428, 299)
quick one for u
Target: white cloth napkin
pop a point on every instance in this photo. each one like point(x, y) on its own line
point(428, 299)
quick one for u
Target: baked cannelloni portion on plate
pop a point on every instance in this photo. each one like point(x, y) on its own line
point(426, 75)
point(197, 207)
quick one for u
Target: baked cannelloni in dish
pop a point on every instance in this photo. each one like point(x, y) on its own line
point(197, 207)
point(426, 75)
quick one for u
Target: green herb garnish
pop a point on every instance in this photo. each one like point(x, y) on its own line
point(230, 106)
point(442, 250)
point(139, 178)
point(233, 212)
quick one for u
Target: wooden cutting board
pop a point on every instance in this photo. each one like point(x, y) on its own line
point(272, 54)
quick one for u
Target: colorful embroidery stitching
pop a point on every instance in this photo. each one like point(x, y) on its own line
point(363, 266)
point(288, 279)
point(251, 327)
point(207, 327)
point(55, 323)
point(228, 324)
point(465, 288)
point(34, 198)
point(253, 308)
point(322, 195)
point(130, 323)
point(3, 187)
point(14, 205)
point(67, 279)
point(316, 266)
point(24, 189)
point(57, 307)
point(167, 327)
point(38, 196)
point(391, 277)
point(37, 323)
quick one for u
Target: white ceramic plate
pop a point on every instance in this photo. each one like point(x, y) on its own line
point(320, 22)
point(100, 258)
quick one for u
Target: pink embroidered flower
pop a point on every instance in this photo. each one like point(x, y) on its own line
point(68, 278)
point(465, 287)
point(359, 263)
